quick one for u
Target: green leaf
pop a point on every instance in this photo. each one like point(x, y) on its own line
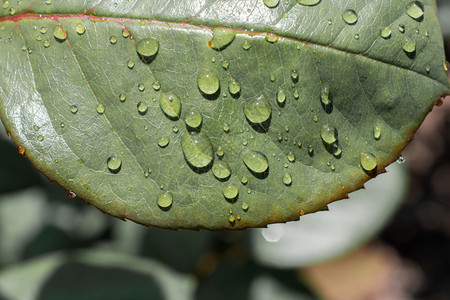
point(299, 104)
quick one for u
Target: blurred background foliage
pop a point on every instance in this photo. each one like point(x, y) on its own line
point(390, 241)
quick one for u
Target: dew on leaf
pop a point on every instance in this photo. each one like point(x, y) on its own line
point(291, 157)
point(234, 88)
point(257, 110)
point(296, 94)
point(287, 179)
point(230, 191)
point(113, 40)
point(256, 161)
point(220, 152)
point(59, 33)
point(415, 10)
point(40, 138)
point(114, 164)
point(386, 33)
point(281, 97)
point(409, 46)
point(208, 82)
point(328, 134)
point(294, 75)
point(47, 43)
point(225, 64)
point(194, 119)
point(231, 219)
point(197, 149)
point(165, 201)
point(141, 87)
point(246, 45)
point(226, 128)
point(401, 160)
point(142, 108)
point(368, 161)
point(308, 2)
point(222, 37)
point(244, 180)
point(130, 64)
point(349, 16)
point(100, 109)
point(170, 104)
point(73, 109)
point(122, 97)
point(271, 38)
point(163, 142)
point(148, 47)
point(43, 30)
point(245, 206)
point(376, 132)
point(271, 3)
point(337, 150)
point(401, 28)
point(80, 28)
point(311, 150)
point(156, 85)
point(6, 4)
point(125, 33)
point(221, 170)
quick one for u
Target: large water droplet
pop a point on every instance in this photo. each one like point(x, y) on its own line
point(197, 149)
point(163, 141)
point(147, 48)
point(256, 161)
point(221, 170)
point(349, 16)
point(271, 3)
point(415, 10)
point(308, 2)
point(386, 33)
point(114, 164)
point(170, 104)
point(230, 191)
point(257, 110)
point(328, 134)
point(368, 161)
point(59, 33)
point(194, 119)
point(165, 201)
point(142, 108)
point(208, 82)
point(222, 37)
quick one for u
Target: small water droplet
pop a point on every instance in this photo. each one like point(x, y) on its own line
point(350, 17)
point(100, 109)
point(336, 150)
point(272, 77)
point(271, 3)
point(257, 110)
point(73, 109)
point(368, 161)
point(40, 138)
point(130, 64)
point(230, 192)
point(281, 97)
point(163, 142)
point(356, 36)
point(43, 30)
point(308, 2)
point(141, 87)
point(386, 33)
point(48, 2)
point(291, 157)
point(225, 64)
point(47, 43)
point(328, 134)
point(234, 88)
point(325, 99)
point(197, 149)
point(287, 179)
point(294, 75)
point(409, 46)
point(59, 33)
point(271, 38)
point(401, 28)
point(194, 119)
point(122, 97)
point(142, 108)
point(170, 104)
point(80, 28)
point(246, 45)
point(220, 152)
point(231, 219)
point(244, 180)
point(114, 164)
point(165, 201)
point(311, 150)
point(377, 132)
point(226, 128)
point(222, 37)
point(156, 85)
point(147, 48)
point(221, 170)
point(256, 161)
point(6, 4)
point(401, 160)
point(175, 129)
point(296, 94)
point(125, 33)
point(315, 119)
point(208, 82)
point(415, 10)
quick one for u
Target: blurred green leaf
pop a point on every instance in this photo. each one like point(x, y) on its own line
point(213, 114)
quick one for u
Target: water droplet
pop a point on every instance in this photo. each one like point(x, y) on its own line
point(48, 2)
point(225, 64)
point(71, 194)
point(142, 108)
point(231, 219)
point(256, 161)
point(257, 110)
point(409, 46)
point(156, 85)
point(197, 149)
point(208, 82)
point(6, 4)
point(222, 37)
point(315, 119)
point(73, 109)
point(368, 161)
point(324, 97)
point(336, 150)
point(163, 142)
point(80, 28)
point(291, 157)
point(59, 33)
point(356, 36)
point(100, 109)
point(122, 97)
point(377, 132)
point(246, 45)
point(125, 33)
point(328, 134)
point(415, 10)
point(271, 38)
point(221, 170)
point(386, 33)
point(114, 164)
point(234, 88)
point(308, 2)
point(226, 128)
point(272, 77)
point(165, 201)
point(113, 40)
point(244, 180)
point(294, 75)
point(271, 3)
point(230, 191)
point(43, 30)
point(147, 48)
point(40, 138)
point(401, 28)
point(287, 179)
point(47, 43)
point(311, 150)
point(281, 97)
point(170, 104)
point(401, 160)
point(175, 129)
point(296, 94)
point(194, 119)
point(349, 16)
point(130, 64)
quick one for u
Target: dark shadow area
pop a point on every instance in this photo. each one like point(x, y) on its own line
point(261, 127)
point(212, 97)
